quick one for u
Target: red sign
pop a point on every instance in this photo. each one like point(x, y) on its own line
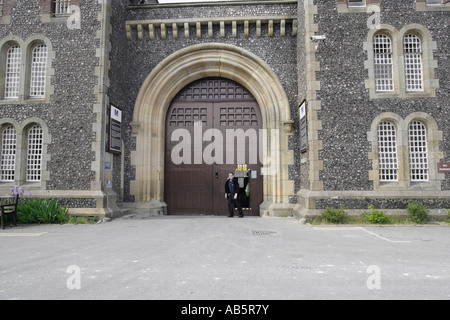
point(444, 167)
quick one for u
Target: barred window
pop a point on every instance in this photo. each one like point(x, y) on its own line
point(413, 63)
point(8, 155)
point(34, 153)
point(418, 153)
point(38, 71)
point(12, 76)
point(387, 150)
point(382, 46)
point(61, 7)
point(1, 8)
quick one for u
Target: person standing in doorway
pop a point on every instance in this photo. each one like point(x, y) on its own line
point(233, 196)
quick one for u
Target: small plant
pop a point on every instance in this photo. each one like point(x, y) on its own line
point(375, 216)
point(332, 215)
point(417, 212)
point(41, 211)
point(448, 216)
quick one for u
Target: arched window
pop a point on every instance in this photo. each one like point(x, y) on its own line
point(413, 62)
point(34, 153)
point(382, 47)
point(38, 71)
point(387, 150)
point(8, 154)
point(418, 153)
point(12, 75)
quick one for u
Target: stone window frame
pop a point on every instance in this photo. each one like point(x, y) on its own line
point(25, 73)
point(344, 7)
point(48, 15)
point(6, 9)
point(22, 131)
point(421, 5)
point(404, 183)
point(430, 83)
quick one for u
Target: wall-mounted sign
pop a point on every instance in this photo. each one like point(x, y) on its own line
point(115, 130)
point(303, 128)
point(444, 167)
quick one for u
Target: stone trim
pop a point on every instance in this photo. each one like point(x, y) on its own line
point(21, 153)
point(434, 136)
point(313, 103)
point(209, 4)
point(193, 63)
point(362, 199)
point(149, 26)
point(25, 72)
point(100, 91)
point(428, 63)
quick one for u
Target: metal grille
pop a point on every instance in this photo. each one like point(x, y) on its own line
point(382, 46)
point(418, 153)
point(239, 116)
point(262, 232)
point(188, 117)
point(62, 7)
point(38, 71)
point(387, 150)
point(8, 158)
point(34, 155)
point(12, 76)
point(1, 8)
point(413, 63)
point(212, 89)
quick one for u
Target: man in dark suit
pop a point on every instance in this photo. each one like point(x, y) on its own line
point(233, 196)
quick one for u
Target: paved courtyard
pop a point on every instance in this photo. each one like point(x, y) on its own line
point(223, 258)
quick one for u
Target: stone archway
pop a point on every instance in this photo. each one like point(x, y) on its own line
point(184, 67)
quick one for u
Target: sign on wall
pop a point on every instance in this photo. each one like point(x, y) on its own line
point(303, 131)
point(115, 130)
point(444, 167)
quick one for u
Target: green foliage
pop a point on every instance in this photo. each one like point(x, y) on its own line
point(375, 216)
point(417, 212)
point(332, 215)
point(41, 211)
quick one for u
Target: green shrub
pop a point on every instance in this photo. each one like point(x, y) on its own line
point(333, 215)
point(41, 211)
point(375, 216)
point(417, 212)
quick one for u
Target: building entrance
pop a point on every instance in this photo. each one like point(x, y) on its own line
point(212, 126)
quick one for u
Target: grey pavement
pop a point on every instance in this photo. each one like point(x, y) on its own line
point(200, 257)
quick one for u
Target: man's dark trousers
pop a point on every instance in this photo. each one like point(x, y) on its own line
point(234, 202)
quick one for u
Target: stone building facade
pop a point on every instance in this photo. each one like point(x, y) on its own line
point(373, 76)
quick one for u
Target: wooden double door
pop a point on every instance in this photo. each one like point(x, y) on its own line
point(205, 140)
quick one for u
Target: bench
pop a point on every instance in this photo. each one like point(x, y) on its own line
point(8, 206)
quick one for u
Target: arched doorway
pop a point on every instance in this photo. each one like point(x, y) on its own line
point(212, 126)
point(172, 75)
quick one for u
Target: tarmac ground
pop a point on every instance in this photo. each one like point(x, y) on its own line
point(220, 258)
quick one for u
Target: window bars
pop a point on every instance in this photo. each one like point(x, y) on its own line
point(12, 76)
point(61, 7)
point(382, 46)
point(387, 150)
point(34, 154)
point(418, 153)
point(38, 71)
point(1, 8)
point(8, 155)
point(413, 63)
